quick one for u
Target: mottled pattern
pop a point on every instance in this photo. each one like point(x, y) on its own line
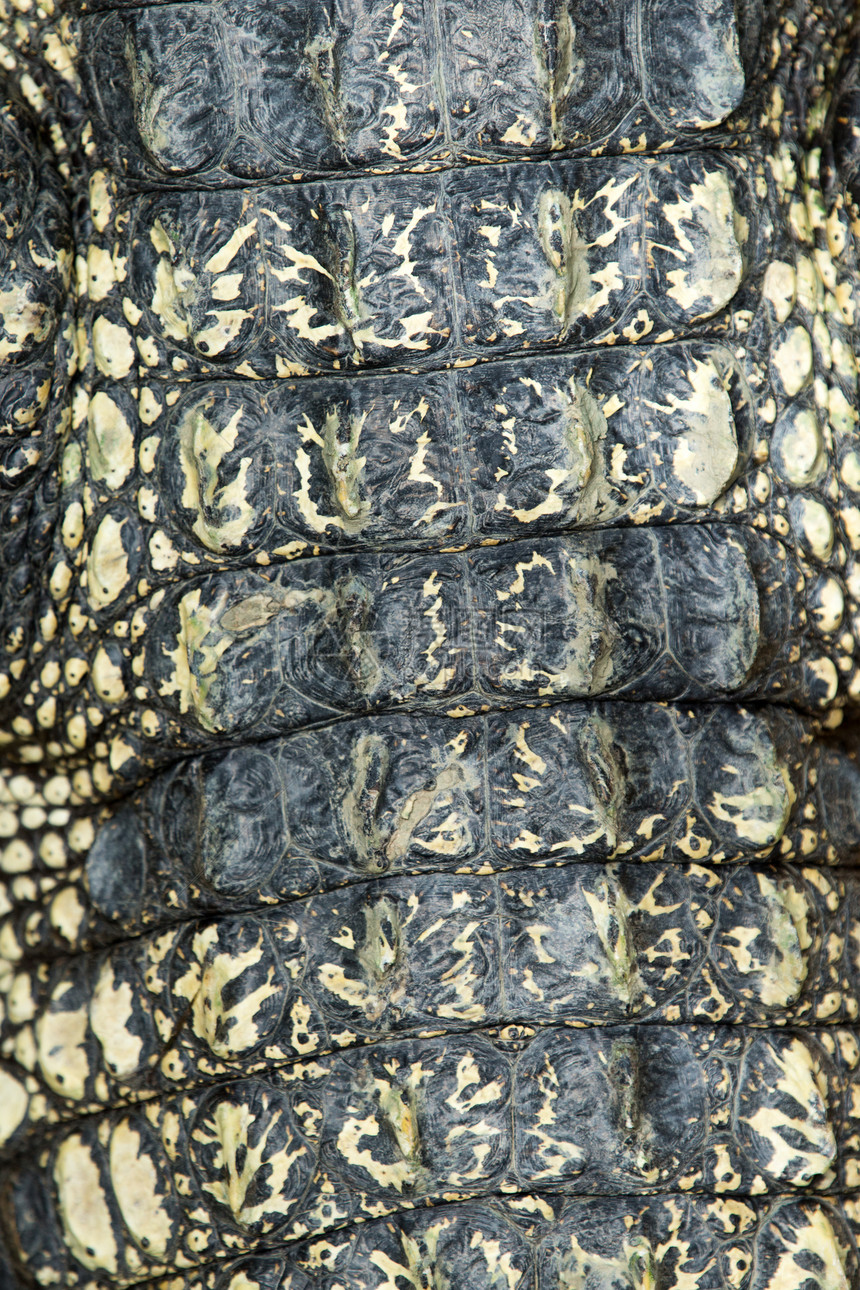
point(319, 1143)
point(537, 1240)
point(216, 999)
point(404, 795)
point(430, 550)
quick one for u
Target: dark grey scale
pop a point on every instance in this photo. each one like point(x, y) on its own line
point(364, 274)
point(672, 614)
point(767, 946)
point(36, 362)
point(406, 795)
point(35, 267)
point(290, 91)
point(716, 1111)
point(297, 468)
point(429, 802)
point(844, 130)
point(695, 236)
point(540, 1242)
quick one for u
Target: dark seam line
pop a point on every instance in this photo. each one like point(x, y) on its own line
point(754, 143)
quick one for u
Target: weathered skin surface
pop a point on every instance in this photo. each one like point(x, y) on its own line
point(430, 548)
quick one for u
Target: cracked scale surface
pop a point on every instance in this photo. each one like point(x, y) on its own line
point(429, 531)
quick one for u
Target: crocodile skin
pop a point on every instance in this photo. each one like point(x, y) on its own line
point(429, 645)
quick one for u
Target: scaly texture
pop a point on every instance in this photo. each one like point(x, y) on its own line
point(430, 545)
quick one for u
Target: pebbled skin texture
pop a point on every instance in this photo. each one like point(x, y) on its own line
point(430, 561)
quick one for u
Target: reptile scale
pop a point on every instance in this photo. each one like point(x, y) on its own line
point(430, 645)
